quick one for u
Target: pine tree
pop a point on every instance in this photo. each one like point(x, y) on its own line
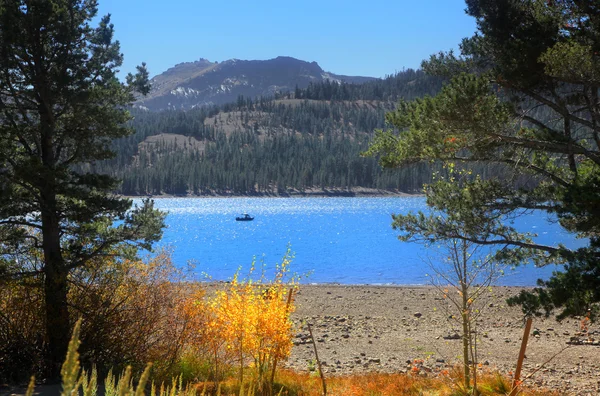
point(524, 97)
point(61, 105)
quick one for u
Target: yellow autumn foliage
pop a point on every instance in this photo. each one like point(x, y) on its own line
point(248, 322)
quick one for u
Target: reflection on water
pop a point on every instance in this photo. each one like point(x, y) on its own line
point(343, 240)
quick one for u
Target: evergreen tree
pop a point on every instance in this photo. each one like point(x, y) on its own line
point(524, 95)
point(61, 105)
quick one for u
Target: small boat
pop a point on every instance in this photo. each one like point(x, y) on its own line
point(244, 217)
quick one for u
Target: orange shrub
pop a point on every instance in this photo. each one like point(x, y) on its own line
point(132, 313)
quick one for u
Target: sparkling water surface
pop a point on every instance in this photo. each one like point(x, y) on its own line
point(337, 240)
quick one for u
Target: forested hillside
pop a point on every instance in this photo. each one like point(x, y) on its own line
point(305, 139)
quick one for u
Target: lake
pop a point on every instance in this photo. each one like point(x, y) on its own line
point(337, 240)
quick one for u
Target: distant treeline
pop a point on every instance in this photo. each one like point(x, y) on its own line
point(408, 85)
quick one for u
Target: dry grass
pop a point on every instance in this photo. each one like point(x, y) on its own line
point(380, 384)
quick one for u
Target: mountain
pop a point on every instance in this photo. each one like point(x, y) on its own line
point(203, 83)
point(303, 140)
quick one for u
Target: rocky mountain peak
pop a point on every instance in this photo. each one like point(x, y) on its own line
point(191, 84)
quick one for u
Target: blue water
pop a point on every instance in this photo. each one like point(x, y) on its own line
point(337, 240)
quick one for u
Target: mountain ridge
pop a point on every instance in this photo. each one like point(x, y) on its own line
point(188, 85)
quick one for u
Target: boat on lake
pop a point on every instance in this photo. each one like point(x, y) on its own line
point(244, 217)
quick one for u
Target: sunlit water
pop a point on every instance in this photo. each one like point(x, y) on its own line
point(336, 240)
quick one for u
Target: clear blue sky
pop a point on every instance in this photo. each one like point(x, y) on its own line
point(367, 37)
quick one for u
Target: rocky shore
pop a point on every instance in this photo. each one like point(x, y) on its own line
point(378, 328)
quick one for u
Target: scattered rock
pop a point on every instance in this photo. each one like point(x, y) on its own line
point(403, 330)
point(454, 336)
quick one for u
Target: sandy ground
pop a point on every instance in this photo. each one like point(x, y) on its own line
point(378, 328)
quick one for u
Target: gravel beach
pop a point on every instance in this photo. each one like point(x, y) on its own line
point(385, 328)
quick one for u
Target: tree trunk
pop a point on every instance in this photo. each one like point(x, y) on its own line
point(55, 290)
point(55, 271)
point(466, 339)
point(465, 314)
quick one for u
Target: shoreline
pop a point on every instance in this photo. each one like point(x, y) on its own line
point(216, 282)
point(308, 193)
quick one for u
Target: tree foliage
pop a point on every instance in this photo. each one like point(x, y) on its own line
point(61, 105)
point(523, 96)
